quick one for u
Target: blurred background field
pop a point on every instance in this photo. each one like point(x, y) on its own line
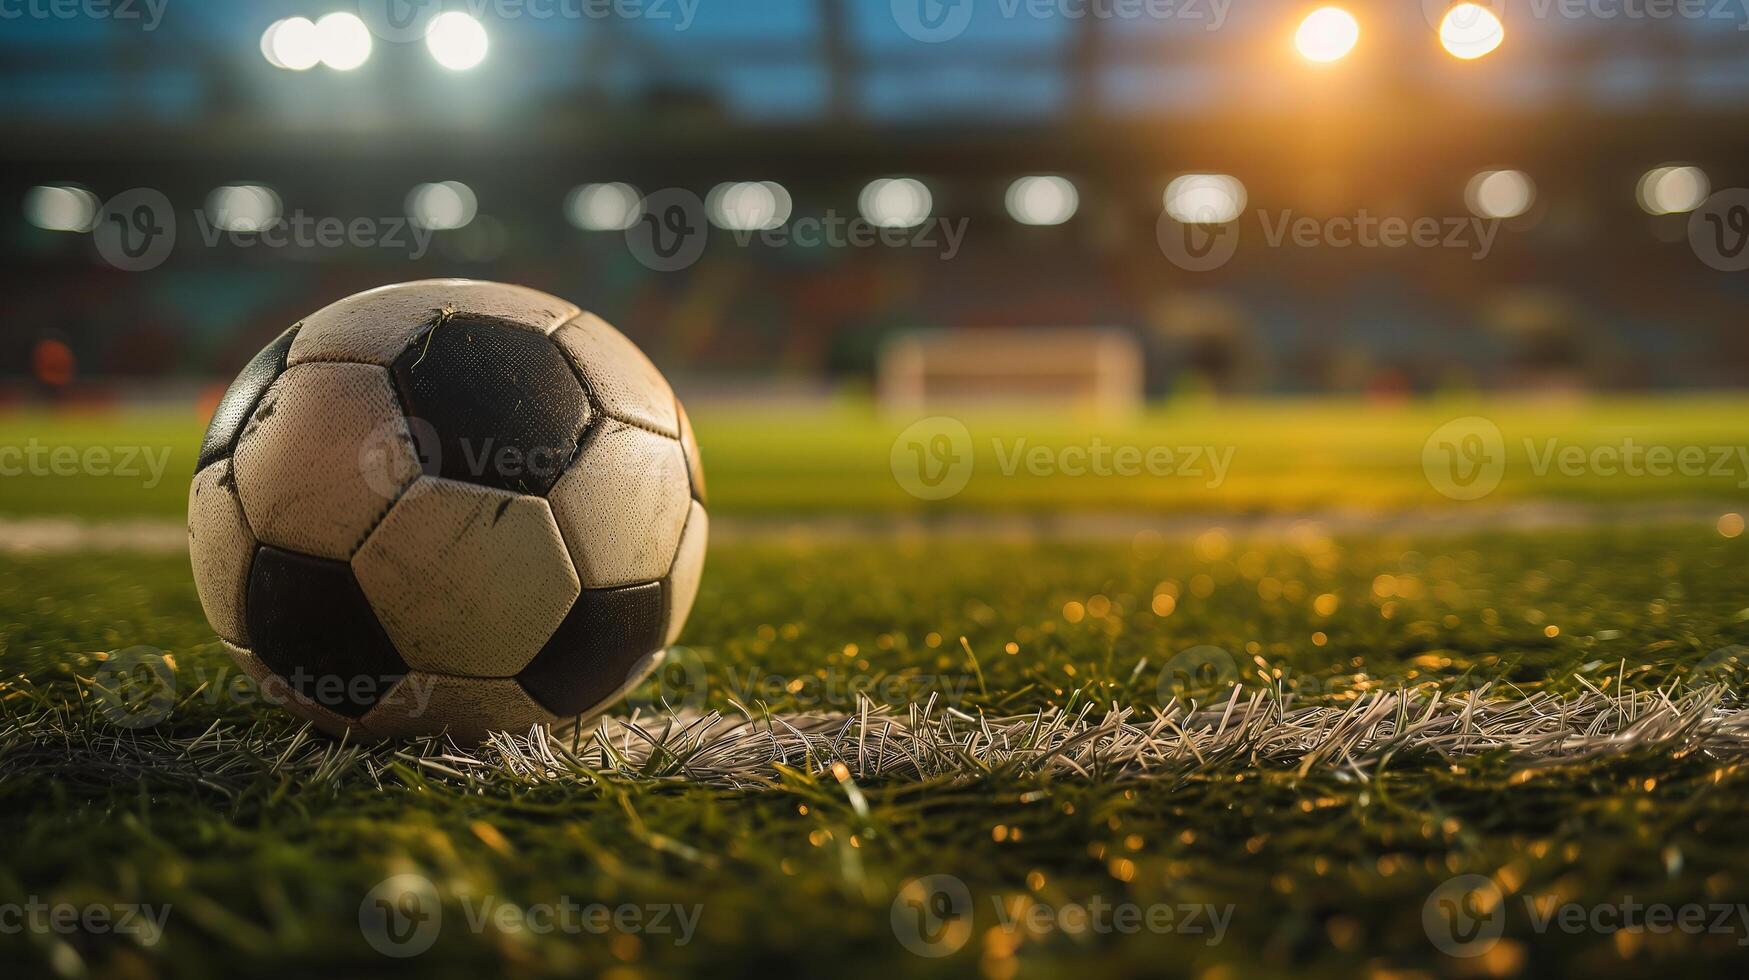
point(1254, 456)
point(1589, 277)
point(1034, 170)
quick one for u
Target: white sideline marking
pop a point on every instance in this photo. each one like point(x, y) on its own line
point(1259, 728)
point(1255, 727)
point(60, 535)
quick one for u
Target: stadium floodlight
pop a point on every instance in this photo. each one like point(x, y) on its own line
point(895, 202)
point(343, 40)
point(442, 206)
point(1327, 34)
point(456, 40)
point(61, 207)
point(1042, 200)
point(604, 207)
point(293, 44)
point(1204, 199)
point(1470, 30)
point(242, 207)
point(1673, 189)
point(267, 43)
point(1500, 194)
point(748, 205)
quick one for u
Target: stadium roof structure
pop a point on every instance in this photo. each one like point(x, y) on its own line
point(824, 61)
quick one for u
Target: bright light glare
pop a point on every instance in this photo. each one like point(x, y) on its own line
point(61, 207)
point(1327, 34)
point(343, 40)
point(1673, 189)
point(748, 205)
point(267, 43)
point(1204, 199)
point(1042, 200)
point(1470, 30)
point(1500, 194)
point(895, 202)
point(293, 44)
point(604, 207)
point(456, 40)
point(242, 207)
point(442, 206)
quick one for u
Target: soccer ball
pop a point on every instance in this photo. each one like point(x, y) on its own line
point(447, 505)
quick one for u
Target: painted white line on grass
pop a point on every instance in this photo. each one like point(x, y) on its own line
point(1258, 729)
point(60, 535)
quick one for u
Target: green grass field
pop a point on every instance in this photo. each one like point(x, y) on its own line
point(1279, 455)
point(262, 842)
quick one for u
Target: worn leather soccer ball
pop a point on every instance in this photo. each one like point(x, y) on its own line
point(447, 505)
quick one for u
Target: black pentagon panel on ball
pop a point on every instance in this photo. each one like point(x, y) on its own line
point(491, 403)
point(240, 399)
point(592, 653)
point(311, 624)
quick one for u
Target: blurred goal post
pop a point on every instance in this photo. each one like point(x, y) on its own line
point(1097, 369)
